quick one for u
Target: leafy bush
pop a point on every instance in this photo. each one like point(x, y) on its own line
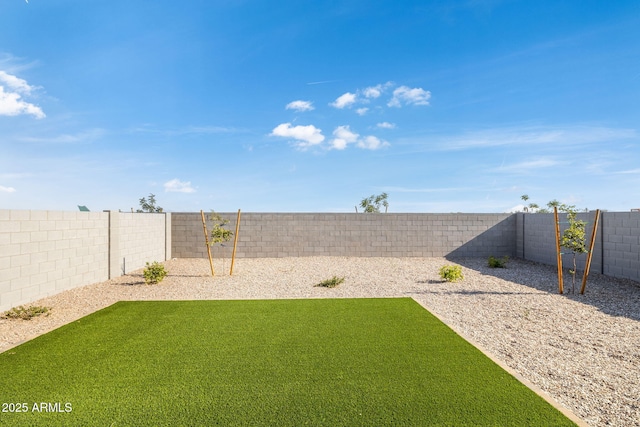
point(451, 273)
point(154, 273)
point(498, 262)
point(331, 283)
point(25, 313)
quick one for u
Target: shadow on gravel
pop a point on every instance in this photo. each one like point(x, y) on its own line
point(135, 279)
point(470, 293)
point(189, 275)
point(615, 297)
point(429, 282)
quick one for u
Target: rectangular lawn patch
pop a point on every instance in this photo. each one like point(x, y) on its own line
point(331, 362)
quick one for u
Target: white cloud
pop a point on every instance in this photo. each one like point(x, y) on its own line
point(343, 101)
point(177, 186)
point(4, 189)
point(361, 96)
point(306, 136)
point(11, 103)
point(300, 106)
point(409, 96)
point(386, 125)
point(343, 137)
point(376, 91)
point(373, 91)
point(15, 83)
point(372, 143)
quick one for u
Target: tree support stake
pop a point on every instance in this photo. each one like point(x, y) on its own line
point(590, 254)
point(206, 241)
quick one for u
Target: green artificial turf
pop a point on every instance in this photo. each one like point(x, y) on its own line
point(331, 362)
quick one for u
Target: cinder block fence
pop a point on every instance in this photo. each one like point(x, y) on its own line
point(350, 234)
point(616, 251)
point(45, 252)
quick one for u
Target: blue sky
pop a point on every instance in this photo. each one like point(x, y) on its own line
point(310, 106)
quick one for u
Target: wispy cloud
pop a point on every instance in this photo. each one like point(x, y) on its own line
point(405, 95)
point(12, 89)
point(187, 130)
point(372, 143)
point(14, 64)
point(15, 175)
point(529, 165)
point(322, 82)
point(80, 137)
point(300, 106)
point(362, 111)
point(305, 136)
point(177, 186)
point(344, 101)
point(207, 130)
point(528, 136)
point(426, 190)
point(630, 171)
point(4, 189)
point(386, 125)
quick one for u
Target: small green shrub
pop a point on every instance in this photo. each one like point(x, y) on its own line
point(219, 234)
point(25, 313)
point(154, 273)
point(451, 273)
point(498, 262)
point(331, 283)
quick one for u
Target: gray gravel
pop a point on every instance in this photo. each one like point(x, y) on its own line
point(582, 350)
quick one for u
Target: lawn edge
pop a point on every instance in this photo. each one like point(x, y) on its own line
point(537, 390)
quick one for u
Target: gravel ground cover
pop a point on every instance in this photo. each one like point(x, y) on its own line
point(582, 350)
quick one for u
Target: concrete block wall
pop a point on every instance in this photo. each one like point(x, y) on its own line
point(537, 240)
point(616, 250)
point(45, 252)
point(350, 234)
point(621, 244)
point(141, 239)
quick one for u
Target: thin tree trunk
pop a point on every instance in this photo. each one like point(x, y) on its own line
point(573, 283)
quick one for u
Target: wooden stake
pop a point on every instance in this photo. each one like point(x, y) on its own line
point(206, 241)
point(590, 254)
point(235, 244)
point(559, 255)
